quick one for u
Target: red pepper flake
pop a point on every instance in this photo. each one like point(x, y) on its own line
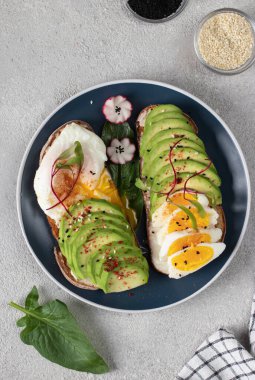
point(110, 264)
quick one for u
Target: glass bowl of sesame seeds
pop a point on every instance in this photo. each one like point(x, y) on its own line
point(225, 41)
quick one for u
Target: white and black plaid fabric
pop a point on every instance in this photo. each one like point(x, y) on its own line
point(222, 357)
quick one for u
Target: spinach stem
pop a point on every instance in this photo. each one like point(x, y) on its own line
point(16, 306)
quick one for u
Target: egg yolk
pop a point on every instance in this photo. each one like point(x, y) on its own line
point(193, 258)
point(188, 241)
point(179, 199)
point(181, 221)
point(105, 189)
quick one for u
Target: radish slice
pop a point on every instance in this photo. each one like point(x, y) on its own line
point(117, 109)
point(121, 152)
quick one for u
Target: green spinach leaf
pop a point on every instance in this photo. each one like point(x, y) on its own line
point(124, 176)
point(116, 131)
point(55, 334)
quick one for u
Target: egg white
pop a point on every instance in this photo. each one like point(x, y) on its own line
point(173, 272)
point(94, 152)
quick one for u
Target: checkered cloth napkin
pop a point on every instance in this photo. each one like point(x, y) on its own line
point(222, 357)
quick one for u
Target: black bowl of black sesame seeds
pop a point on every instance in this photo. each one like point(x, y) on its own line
point(156, 11)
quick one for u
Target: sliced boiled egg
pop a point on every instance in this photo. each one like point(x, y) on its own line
point(193, 258)
point(181, 240)
point(180, 221)
point(164, 212)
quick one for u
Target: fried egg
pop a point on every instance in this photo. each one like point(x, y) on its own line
point(93, 181)
point(193, 258)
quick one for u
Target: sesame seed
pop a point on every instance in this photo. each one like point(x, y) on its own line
point(226, 41)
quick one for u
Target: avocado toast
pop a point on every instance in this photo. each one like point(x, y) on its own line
point(97, 248)
point(185, 219)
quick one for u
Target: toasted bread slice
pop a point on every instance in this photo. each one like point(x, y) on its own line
point(146, 195)
point(84, 284)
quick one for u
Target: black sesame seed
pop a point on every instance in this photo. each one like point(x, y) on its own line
point(82, 265)
point(198, 253)
point(185, 262)
point(175, 264)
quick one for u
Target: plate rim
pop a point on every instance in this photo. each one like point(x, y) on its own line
point(139, 81)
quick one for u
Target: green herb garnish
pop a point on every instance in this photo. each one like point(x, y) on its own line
point(190, 214)
point(55, 334)
point(199, 207)
point(124, 176)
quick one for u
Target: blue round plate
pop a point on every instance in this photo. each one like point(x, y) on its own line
point(222, 147)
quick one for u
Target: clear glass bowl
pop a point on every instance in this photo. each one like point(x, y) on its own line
point(215, 69)
point(170, 17)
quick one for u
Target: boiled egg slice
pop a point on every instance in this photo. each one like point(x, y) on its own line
point(193, 258)
point(181, 240)
point(162, 215)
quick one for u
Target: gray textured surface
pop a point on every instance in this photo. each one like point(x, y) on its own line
point(49, 51)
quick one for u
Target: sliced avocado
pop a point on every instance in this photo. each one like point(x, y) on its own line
point(89, 226)
point(164, 124)
point(198, 183)
point(88, 231)
point(113, 250)
point(172, 134)
point(158, 151)
point(159, 109)
point(184, 153)
point(82, 232)
point(185, 166)
point(81, 210)
point(100, 253)
point(169, 115)
point(115, 258)
point(126, 278)
point(172, 128)
point(81, 253)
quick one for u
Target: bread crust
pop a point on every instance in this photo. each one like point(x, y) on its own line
point(146, 195)
point(61, 261)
